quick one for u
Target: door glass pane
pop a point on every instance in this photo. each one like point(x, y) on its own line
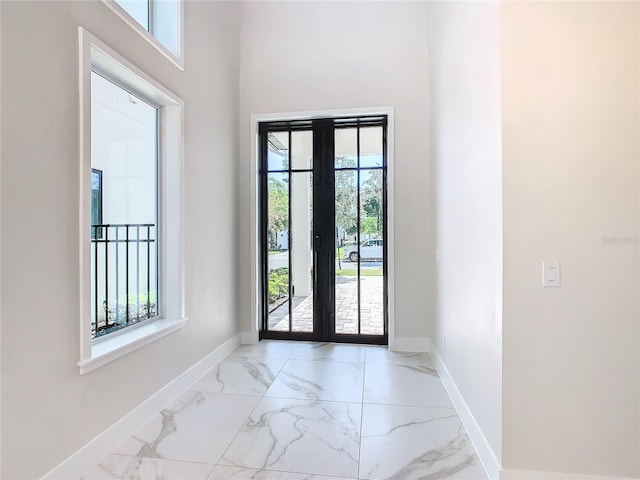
point(302, 150)
point(278, 250)
point(346, 148)
point(371, 253)
point(371, 147)
point(346, 280)
point(301, 252)
point(278, 151)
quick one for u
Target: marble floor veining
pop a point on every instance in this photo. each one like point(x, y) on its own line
point(303, 411)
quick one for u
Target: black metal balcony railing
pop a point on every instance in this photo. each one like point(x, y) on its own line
point(124, 276)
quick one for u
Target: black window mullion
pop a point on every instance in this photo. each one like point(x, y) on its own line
point(264, 216)
point(385, 293)
point(324, 226)
point(331, 223)
point(117, 273)
point(358, 219)
point(289, 235)
point(318, 224)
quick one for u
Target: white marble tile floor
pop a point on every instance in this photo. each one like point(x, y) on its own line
point(303, 411)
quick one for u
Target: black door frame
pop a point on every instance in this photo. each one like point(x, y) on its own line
point(323, 227)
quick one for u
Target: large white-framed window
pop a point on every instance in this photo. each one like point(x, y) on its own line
point(130, 147)
point(160, 22)
point(125, 136)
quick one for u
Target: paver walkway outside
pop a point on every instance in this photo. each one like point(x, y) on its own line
point(371, 314)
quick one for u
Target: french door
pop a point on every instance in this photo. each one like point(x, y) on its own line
point(323, 211)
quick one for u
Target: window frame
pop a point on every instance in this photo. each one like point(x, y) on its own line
point(97, 232)
point(96, 56)
point(158, 206)
point(177, 60)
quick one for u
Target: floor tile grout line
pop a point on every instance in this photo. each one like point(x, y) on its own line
point(162, 459)
point(248, 416)
point(332, 360)
point(409, 406)
point(224, 393)
point(263, 397)
point(238, 432)
point(221, 392)
point(275, 377)
point(283, 471)
point(364, 381)
point(397, 362)
point(185, 391)
point(352, 402)
point(213, 467)
point(210, 475)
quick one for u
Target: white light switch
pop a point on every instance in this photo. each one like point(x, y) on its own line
point(550, 274)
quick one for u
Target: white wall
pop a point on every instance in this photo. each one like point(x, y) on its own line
point(48, 409)
point(566, 74)
point(570, 155)
point(299, 56)
point(0, 232)
point(464, 66)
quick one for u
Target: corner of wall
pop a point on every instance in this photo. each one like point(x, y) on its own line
point(248, 338)
point(410, 344)
point(483, 448)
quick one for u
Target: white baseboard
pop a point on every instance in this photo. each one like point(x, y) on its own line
point(407, 344)
point(509, 474)
point(94, 451)
point(485, 452)
point(249, 338)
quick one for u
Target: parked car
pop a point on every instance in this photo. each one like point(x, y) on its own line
point(369, 250)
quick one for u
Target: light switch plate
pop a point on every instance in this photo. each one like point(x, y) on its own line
point(551, 274)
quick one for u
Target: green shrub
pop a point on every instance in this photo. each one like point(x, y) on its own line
point(278, 283)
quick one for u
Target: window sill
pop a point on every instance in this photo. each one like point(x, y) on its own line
point(126, 342)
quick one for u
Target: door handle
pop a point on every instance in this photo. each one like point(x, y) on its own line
point(315, 268)
point(329, 282)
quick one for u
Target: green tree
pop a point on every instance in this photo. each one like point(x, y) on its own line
point(369, 225)
point(371, 200)
point(347, 197)
point(278, 206)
